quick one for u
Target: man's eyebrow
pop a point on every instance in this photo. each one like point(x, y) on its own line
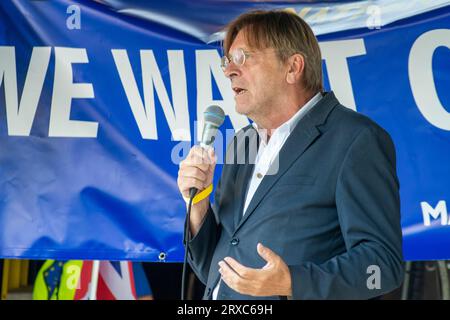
point(248, 50)
point(243, 48)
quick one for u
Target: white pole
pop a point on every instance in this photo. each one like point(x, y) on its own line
point(94, 280)
point(445, 288)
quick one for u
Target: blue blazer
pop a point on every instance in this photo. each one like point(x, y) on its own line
point(331, 211)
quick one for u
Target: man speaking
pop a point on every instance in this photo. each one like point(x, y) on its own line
point(314, 213)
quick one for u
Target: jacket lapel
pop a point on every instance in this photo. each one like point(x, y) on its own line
point(303, 135)
point(245, 169)
point(239, 156)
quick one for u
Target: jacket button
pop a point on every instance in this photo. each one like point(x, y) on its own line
point(234, 241)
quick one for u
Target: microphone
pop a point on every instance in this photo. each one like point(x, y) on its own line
point(214, 117)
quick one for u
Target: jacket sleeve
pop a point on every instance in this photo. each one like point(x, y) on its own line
point(368, 206)
point(201, 247)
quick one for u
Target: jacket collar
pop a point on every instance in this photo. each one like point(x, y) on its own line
point(303, 135)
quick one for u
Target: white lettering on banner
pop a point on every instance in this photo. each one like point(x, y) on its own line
point(20, 116)
point(439, 211)
point(208, 64)
point(177, 115)
point(335, 54)
point(21, 111)
point(64, 90)
point(420, 69)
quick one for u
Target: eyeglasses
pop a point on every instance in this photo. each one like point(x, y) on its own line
point(238, 57)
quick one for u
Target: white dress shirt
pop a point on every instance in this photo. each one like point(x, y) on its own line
point(267, 152)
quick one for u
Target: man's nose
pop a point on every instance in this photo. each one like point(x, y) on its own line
point(231, 70)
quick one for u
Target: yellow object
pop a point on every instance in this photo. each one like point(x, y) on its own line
point(68, 282)
point(203, 194)
point(15, 275)
point(24, 267)
point(5, 278)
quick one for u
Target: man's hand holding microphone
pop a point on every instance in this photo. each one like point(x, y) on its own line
point(197, 170)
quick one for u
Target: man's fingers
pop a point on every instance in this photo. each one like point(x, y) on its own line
point(193, 172)
point(241, 270)
point(194, 163)
point(189, 183)
point(198, 155)
point(227, 269)
point(197, 170)
point(266, 253)
point(229, 276)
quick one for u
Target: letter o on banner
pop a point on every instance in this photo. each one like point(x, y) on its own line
point(420, 69)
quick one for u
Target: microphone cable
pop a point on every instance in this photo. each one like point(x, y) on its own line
point(187, 238)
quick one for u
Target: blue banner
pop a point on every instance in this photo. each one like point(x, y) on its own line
point(99, 102)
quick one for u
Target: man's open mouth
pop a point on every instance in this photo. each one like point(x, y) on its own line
point(239, 91)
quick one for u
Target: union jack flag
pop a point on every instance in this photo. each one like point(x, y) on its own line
point(115, 281)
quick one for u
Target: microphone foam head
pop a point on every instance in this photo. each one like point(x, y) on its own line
point(214, 115)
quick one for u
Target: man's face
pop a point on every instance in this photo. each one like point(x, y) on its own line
point(259, 84)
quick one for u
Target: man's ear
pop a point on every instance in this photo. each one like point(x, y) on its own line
point(296, 65)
